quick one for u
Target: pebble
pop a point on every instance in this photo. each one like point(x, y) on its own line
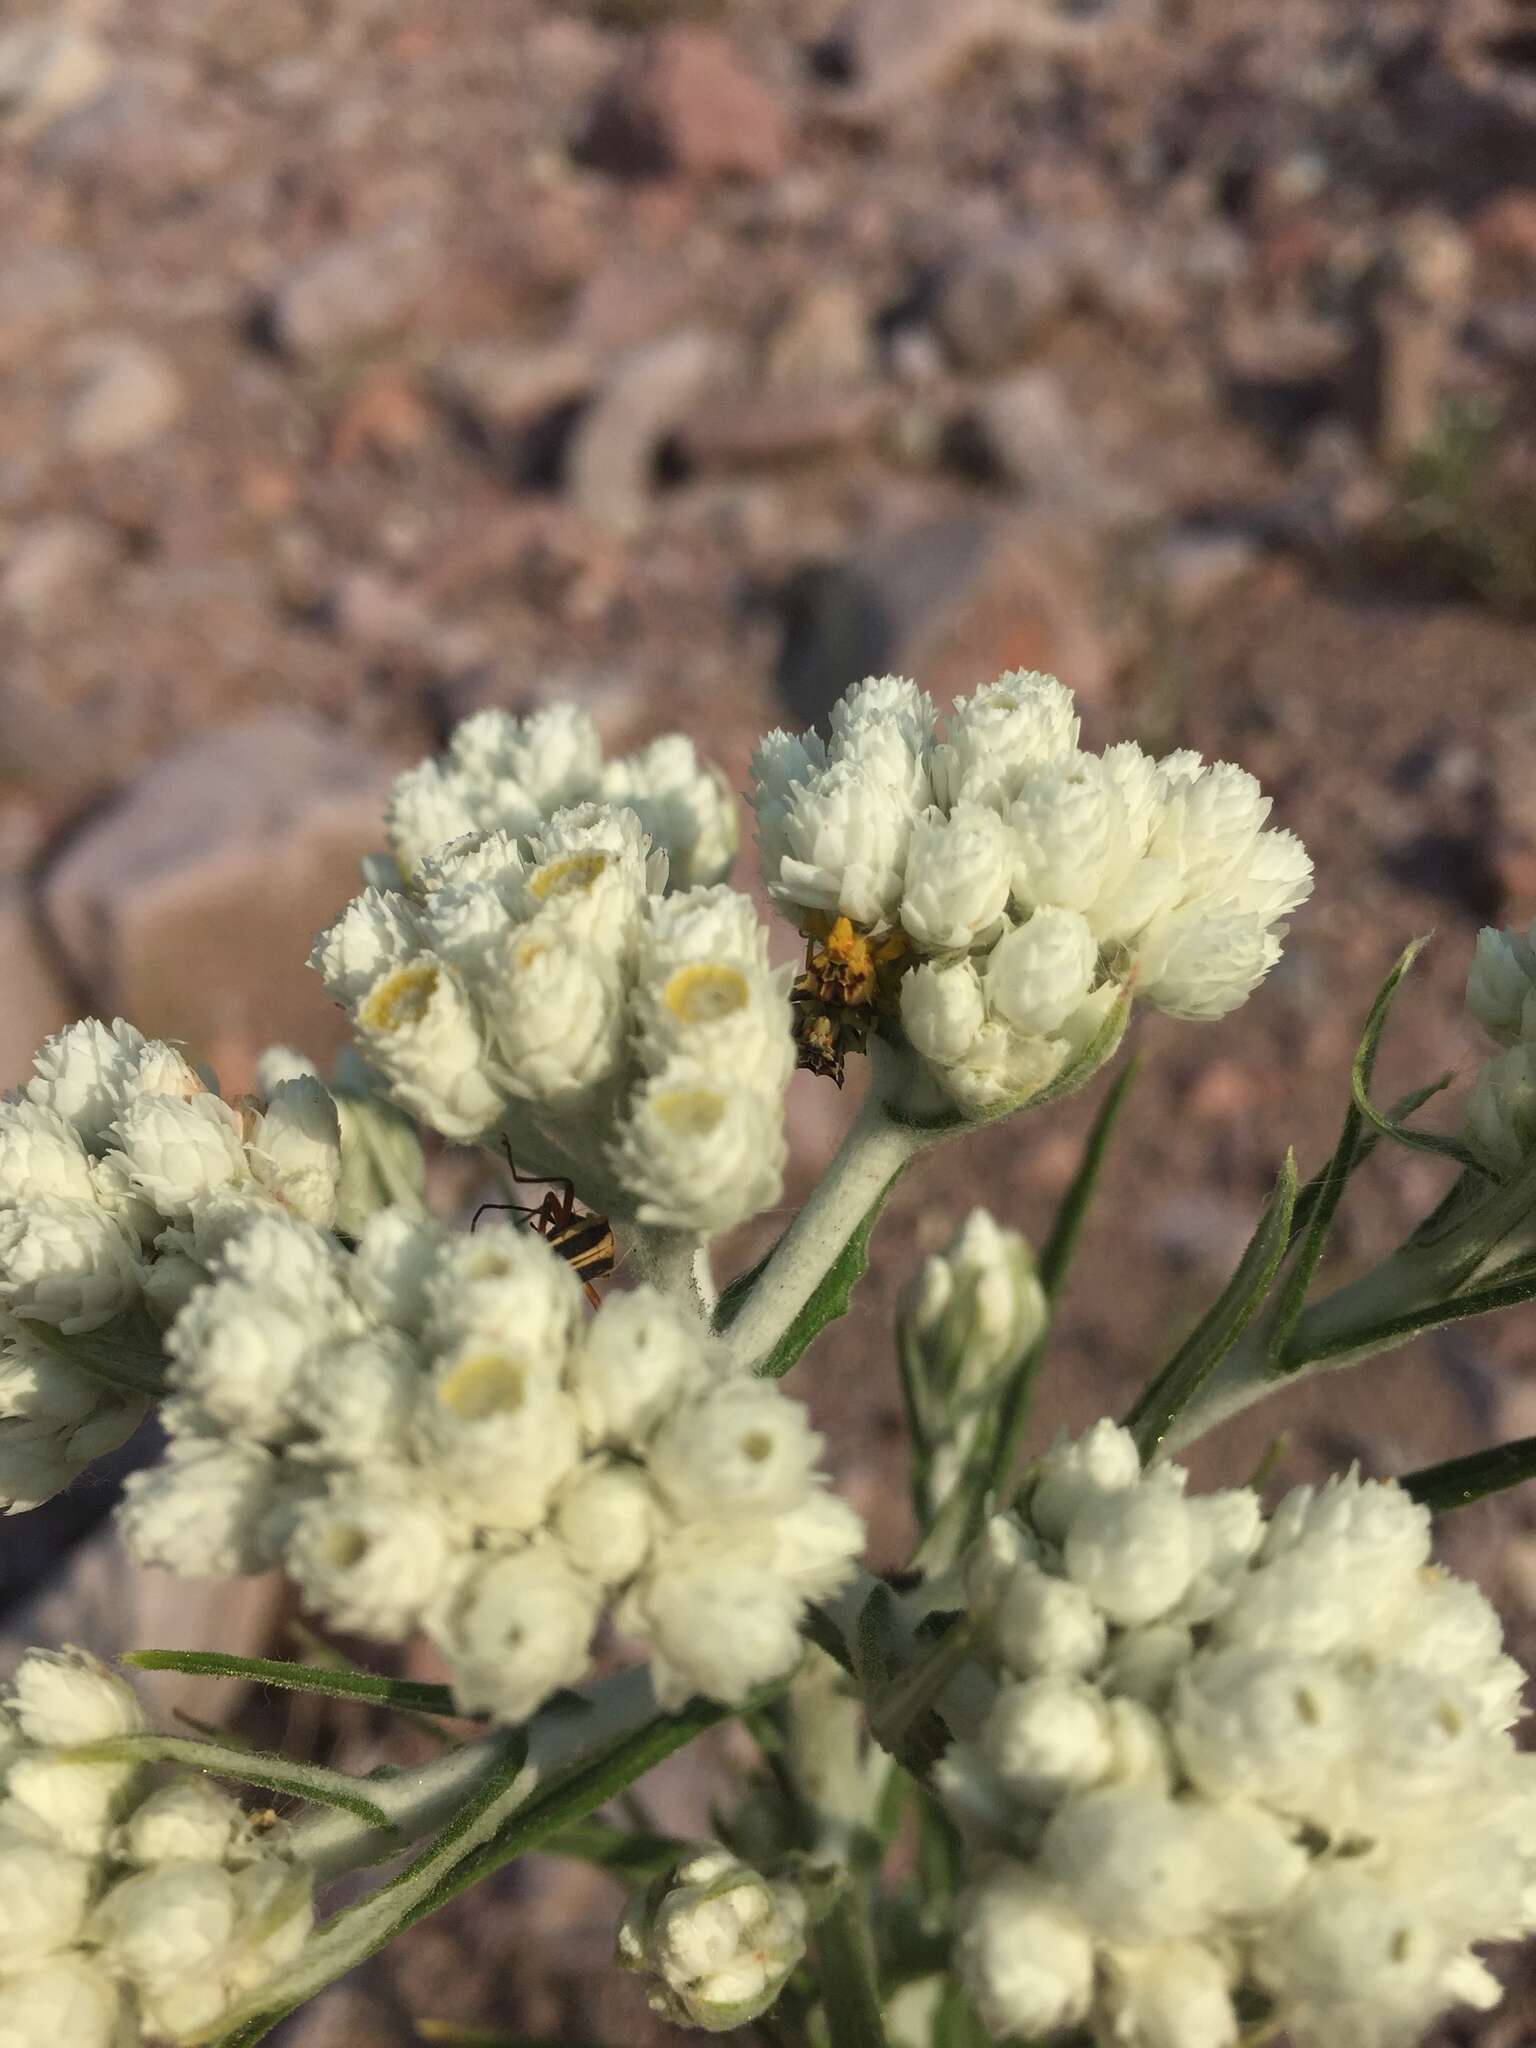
point(54, 563)
point(684, 104)
point(41, 290)
point(46, 68)
point(126, 395)
point(350, 292)
point(610, 463)
point(999, 298)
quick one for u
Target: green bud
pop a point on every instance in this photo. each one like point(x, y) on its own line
point(716, 1939)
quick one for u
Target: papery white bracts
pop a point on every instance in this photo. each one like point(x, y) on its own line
point(1228, 1760)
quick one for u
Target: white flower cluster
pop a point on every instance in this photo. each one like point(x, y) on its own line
point(428, 1435)
point(1234, 1761)
point(511, 775)
point(1032, 881)
point(120, 1170)
point(1501, 1113)
point(134, 1906)
point(544, 991)
point(716, 1939)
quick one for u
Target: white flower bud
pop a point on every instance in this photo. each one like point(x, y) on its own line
point(67, 1697)
point(63, 1801)
point(161, 1069)
point(203, 1510)
point(1202, 966)
point(1137, 1866)
point(356, 1400)
point(80, 1072)
point(1261, 1724)
point(722, 1018)
point(112, 1189)
point(496, 1432)
point(554, 755)
point(844, 839)
point(517, 1629)
point(1500, 1123)
point(956, 885)
point(418, 1023)
point(169, 1923)
point(428, 806)
point(1103, 1460)
point(943, 1010)
point(178, 1153)
point(396, 1255)
point(1071, 844)
point(1502, 975)
point(555, 1013)
point(684, 806)
point(187, 1820)
point(718, 1620)
point(815, 1543)
point(237, 1353)
point(884, 726)
point(782, 763)
point(1132, 1552)
point(1041, 1623)
point(376, 933)
point(701, 924)
point(717, 1940)
point(605, 1516)
point(1274, 879)
point(1039, 971)
point(65, 1999)
point(44, 1893)
point(1355, 1952)
point(1210, 822)
point(740, 1448)
point(41, 1154)
point(700, 1154)
point(996, 736)
point(637, 1356)
point(295, 1150)
point(368, 1557)
point(592, 867)
point(66, 1263)
point(1172, 1994)
point(1047, 1737)
point(1024, 1955)
point(505, 1281)
point(975, 1307)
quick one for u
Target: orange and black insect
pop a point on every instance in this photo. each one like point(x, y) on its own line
point(582, 1238)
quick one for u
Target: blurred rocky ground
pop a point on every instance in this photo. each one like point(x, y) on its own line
point(365, 361)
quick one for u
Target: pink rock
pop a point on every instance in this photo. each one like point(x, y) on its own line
point(685, 105)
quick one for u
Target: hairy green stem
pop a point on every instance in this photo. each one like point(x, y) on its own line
point(873, 1152)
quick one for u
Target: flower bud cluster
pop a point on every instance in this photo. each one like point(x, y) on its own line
point(1231, 1766)
point(1501, 1111)
point(120, 1168)
point(512, 775)
point(545, 993)
point(716, 1940)
point(968, 1318)
point(1030, 881)
point(135, 1906)
point(429, 1435)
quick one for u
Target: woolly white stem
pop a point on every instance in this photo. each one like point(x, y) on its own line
point(871, 1155)
point(419, 1801)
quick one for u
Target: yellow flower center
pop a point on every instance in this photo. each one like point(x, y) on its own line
point(573, 874)
point(703, 993)
point(485, 1383)
point(401, 998)
point(691, 1112)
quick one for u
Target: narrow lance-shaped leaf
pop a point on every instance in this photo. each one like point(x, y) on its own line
point(245, 1766)
point(829, 1298)
point(1334, 1178)
point(1460, 1481)
point(850, 1991)
point(1519, 1286)
point(1223, 1323)
point(1365, 1144)
point(402, 1694)
point(1360, 1074)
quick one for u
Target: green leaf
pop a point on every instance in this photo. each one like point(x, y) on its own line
point(490, 1830)
point(1056, 1254)
point(1456, 1308)
point(735, 1294)
point(829, 1298)
point(125, 1362)
point(1223, 1323)
point(1331, 1183)
point(1460, 1481)
point(1365, 1144)
point(246, 1767)
point(1365, 1055)
point(403, 1694)
point(850, 1991)
point(632, 1854)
